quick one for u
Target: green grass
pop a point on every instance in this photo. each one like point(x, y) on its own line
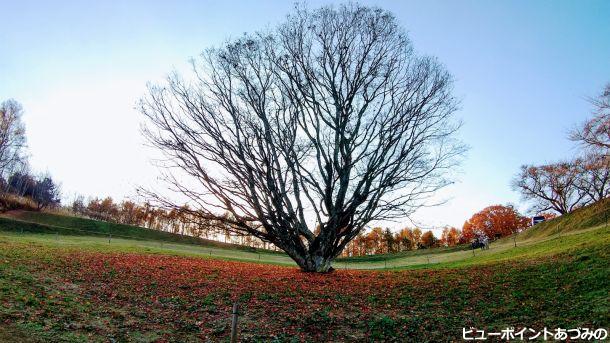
point(552, 287)
point(103, 244)
point(587, 217)
point(67, 225)
point(501, 250)
point(582, 228)
point(558, 275)
point(402, 254)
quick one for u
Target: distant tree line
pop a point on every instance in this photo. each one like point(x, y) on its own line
point(175, 220)
point(384, 241)
point(566, 185)
point(493, 222)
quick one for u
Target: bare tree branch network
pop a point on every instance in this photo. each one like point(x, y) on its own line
point(595, 133)
point(304, 134)
point(565, 186)
point(558, 187)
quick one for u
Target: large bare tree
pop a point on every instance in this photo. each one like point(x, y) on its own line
point(565, 186)
point(303, 135)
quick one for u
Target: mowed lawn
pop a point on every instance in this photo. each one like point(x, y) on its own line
point(52, 291)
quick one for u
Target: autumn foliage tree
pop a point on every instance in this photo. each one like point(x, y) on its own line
point(406, 239)
point(494, 221)
point(428, 240)
point(593, 176)
point(450, 236)
point(103, 209)
point(329, 121)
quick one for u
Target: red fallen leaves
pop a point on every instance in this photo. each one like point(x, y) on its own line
point(182, 299)
point(274, 299)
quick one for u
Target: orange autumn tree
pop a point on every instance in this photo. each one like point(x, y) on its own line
point(493, 221)
point(417, 235)
point(450, 237)
point(405, 239)
point(428, 240)
point(376, 239)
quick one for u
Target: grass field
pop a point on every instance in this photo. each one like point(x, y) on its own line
point(56, 285)
point(562, 234)
point(68, 225)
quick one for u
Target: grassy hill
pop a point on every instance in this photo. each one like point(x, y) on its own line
point(583, 227)
point(83, 288)
point(588, 217)
point(41, 222)
point(553, 236)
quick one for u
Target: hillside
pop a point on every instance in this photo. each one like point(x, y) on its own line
point(588, 217)
point(62, 279)
point(583, 227)
point(67, 225)
point(82, 289)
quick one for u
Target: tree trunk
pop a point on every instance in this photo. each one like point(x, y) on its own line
point(313, 261)
point(317, 264)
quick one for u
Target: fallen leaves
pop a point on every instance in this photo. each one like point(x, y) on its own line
point(120, 295)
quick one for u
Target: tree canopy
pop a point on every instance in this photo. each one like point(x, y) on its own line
point(329, 121)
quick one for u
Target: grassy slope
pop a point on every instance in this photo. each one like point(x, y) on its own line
point(67, 225)
point(58, 295)
point(557, 276)
point(583, 227)
point(581, 219)
point(74, 243)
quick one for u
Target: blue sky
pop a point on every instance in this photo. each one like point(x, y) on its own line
point(523, 70)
